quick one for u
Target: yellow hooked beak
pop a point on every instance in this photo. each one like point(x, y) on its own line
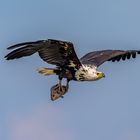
point(100, 75)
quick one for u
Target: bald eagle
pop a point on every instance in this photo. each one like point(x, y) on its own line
point(68, 65)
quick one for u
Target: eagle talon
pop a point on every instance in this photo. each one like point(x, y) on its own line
point(60, 86)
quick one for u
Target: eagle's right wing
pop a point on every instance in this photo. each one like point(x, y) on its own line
point(99, 57)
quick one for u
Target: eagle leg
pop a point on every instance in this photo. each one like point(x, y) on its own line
point(60, 80)
point(67, 85)
point(60, 85)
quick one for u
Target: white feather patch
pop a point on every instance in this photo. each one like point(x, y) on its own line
point(86, 73)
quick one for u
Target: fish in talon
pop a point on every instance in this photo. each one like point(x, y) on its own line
point(57, 93)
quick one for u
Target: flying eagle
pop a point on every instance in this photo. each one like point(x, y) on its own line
point(68, 65)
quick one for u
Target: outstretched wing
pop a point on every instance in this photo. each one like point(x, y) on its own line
point(99, 57)
point(60, 53)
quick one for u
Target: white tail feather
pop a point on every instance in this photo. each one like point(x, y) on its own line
point(46, 71)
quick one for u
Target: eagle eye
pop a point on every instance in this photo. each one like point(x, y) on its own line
point(98, 73)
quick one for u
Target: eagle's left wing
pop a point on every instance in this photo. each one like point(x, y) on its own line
point(56, 52)
point(99, 57)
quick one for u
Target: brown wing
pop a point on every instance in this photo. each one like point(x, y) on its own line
point(99, 57)
point(60, 53)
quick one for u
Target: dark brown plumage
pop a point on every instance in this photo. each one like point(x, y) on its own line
point(99, 57)
point(52, 51)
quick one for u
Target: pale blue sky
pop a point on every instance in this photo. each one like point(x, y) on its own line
point(108, 109)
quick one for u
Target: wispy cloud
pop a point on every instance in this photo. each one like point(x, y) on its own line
point(42, 123)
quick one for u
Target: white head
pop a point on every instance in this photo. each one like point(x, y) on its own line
point(88, 73)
